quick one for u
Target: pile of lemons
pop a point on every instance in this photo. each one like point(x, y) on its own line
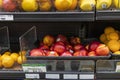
point(8, 59)
point(111, 37)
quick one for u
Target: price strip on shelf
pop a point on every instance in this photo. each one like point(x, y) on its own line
point(86, 76)
point(70, 76)
point(6, 17)
point(32, 76)
point(34, 67)
point(52, 76)
point(118, 67)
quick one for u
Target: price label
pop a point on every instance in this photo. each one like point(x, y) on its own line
point(86, 76)
point(118, 67)
point(52, 76)
point(32, 76)
point(70, 76)
point(34, 67)
point(6, 17)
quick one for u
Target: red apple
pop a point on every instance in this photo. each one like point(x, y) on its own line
point(9, 5)
point(48, 40)
point(102, 50)
point(93, 45)
point(59, 48)
point(37, 52)
point(62, 38)
point(77, 47)
point(81, 52)
point(92, 53)
point(69, 48)
point(52, 53)
point(75, 40)
point(66, 53)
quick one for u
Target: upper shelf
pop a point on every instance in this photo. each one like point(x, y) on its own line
point(108, 15)
point(47, 16)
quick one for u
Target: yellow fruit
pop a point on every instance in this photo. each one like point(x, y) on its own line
point(117, 53)
point(7, 53)
point(63, 5)
point(107, 36)
point(3, 56)
point(116, 3)
point(1, 64)
point(15, 56)
point(8, 62)
point(45, 5)
point(22, 53)
point(113, 36)
point(29, 5)
point(0, 3)
point(103, 4)
point(21, 59)
point(114, 45)
point(103, 38)
point(108, 30)
point(74, 4)
point(87, 5)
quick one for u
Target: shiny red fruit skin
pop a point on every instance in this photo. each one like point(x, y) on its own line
point(82, 52)
point(77, 47)
point(66, 53)
point(52, 53)
point(37, 52)
point(93, 45)
point(92, 53)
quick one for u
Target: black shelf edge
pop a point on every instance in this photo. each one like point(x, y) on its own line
point(108, 15)
point(51, 16)
point(21, 74)
point(107, 75)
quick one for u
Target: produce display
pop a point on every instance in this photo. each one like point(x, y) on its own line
point(57, 5)
point(73, 46)
point(9, 60)
point(111, 37)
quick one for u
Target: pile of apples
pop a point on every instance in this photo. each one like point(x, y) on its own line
point(62, 46)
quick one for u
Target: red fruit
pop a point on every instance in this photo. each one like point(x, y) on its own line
point(81, 52)
point(44, 47)
point(52, 53)
point(9, 5)
point(69, 48)
point(60, 42)
point(92, 53)
point(93, 45)
point(48, 40)
point(78, 47)
point(102, 50)
point(59, 48)
point(37, 52)
point(66, 53)
point(75, 40)
point(62, 38)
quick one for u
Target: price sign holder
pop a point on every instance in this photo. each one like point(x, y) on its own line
point(86, 76)
point(117, 66)
point(70, 76)
point(6, 18)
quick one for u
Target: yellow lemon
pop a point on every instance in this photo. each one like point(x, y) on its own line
point(3, 56)
point(7, 53)
point(103, 38)
point(114, 45)
point(8, 62)
point(113, 36)
point(108, 30)
point(117, 53)
point(14, 56)
point(21, 59)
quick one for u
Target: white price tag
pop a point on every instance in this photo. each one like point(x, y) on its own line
point(6, 17)
point(70, 76)
point(86, 76)
point(32, 76)
point(52, 76)
point(34, 67)
point(118, 67)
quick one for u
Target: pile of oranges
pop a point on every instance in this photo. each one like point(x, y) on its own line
point(8, 59)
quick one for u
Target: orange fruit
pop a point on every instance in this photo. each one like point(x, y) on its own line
point(3, 56)
point(7, 53)
point(114, 45)
point(103, 38)
point(63, 5)
point(113, 36)
point(109, 29)
point(74, 4)
point(14, 56)
point(8, 62)
point(22, 53)
point(21, 59)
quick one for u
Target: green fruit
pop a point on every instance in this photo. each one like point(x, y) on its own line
point(29, 5)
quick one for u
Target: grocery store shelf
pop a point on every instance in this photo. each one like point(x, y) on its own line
point(49, 16)
point(107, 75)
point(108, 15)
point(42, 75)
